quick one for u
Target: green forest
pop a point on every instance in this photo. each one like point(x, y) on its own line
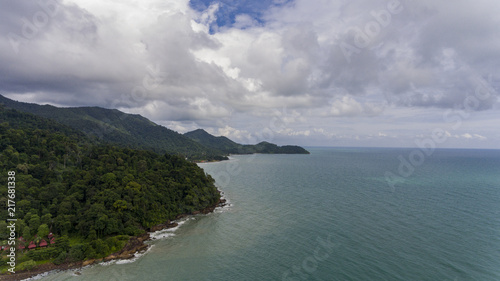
point(92, 197)
point(111, 126)
point(230, 147)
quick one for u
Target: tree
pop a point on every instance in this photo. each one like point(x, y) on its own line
point(43, 230)
point(60, 258)
point(46, 219)
point(27, 265)
point(3, 230)
point(77, 252)
point(27, 233)
point(34, 223)
point(101, 223)
point(62, 243)
point(92, 235)
point(120, 205)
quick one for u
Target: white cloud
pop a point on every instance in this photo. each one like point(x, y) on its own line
point(101, 53)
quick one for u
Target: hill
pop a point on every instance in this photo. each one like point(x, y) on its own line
point(230, 147)
point(118, 128)
point(219, 143)
point(91, 197)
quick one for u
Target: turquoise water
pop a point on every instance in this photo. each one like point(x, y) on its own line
point(331, 215)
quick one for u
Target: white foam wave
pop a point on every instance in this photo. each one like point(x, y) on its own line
point(169, 232)
point(227, 205)
point(136, 256)
point(107, 263)
point(157, 236)
point(41, 275)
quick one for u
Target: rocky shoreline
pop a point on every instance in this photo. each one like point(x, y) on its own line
point(134, 245)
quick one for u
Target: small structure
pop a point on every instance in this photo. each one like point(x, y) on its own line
point(22, 239)
point(50, 235)
point(43, 243)
point(32, 245)
point(53, 240)
point(21, 246)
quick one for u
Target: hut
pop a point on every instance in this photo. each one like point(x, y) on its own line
point(32, 245)
point(43, 243)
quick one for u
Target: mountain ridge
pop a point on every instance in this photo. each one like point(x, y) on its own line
point(226, 145)
point(112, 126)
point(119, 128)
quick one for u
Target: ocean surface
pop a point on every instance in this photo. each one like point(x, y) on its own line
point(336, 214)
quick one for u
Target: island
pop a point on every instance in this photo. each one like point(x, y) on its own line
point(77, 202)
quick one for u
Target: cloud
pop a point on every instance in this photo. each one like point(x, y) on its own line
point(233, 63)
point(467, 136)
point(348, 106)
point(232, 133)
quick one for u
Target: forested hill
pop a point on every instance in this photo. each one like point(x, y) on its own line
point(230, 147)
point(90, 196)
point(115, 127)
point(220, 143)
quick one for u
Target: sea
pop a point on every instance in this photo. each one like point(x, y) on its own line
point(336, 214)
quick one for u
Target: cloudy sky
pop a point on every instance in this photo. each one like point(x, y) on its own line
point(307, 72)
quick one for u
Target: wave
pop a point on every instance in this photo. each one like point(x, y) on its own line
point(169, 232)
point(136, 256)
point(42, 275)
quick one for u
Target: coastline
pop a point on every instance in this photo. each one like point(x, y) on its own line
point(134, 245)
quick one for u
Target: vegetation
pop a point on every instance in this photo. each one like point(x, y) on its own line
point(92, 197)
point(230, 147)
point(114, 127)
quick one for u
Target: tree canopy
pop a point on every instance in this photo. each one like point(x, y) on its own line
point(68, 185)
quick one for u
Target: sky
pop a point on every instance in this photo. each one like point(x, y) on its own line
point(398, 73)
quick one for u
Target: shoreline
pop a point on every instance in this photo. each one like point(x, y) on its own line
point(134, 245)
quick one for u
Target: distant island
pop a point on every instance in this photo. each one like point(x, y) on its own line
point(111, 126)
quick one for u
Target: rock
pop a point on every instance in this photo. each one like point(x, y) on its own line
point(156, 228)
point(173, 224)
point(125, 256)
point(143, 237)
point(181, 216)
point(88, 262)
point(110, 257)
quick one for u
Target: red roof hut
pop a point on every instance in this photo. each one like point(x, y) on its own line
point(32, 245)
point(43, 243)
